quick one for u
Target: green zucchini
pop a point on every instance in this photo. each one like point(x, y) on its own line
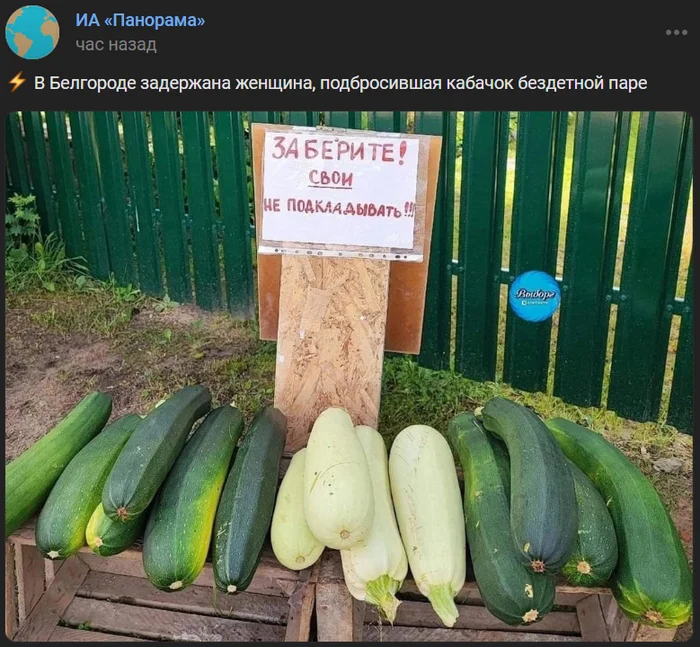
point(509, 589)
point(652, 582)
point(543, 513)
point(30, 477)
point(108, 537)
point(178, 533)
point(151, 452)
point(245, 510)
point(595, 553)
point(60, 528)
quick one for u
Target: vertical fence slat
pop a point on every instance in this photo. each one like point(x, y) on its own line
point(200, 206)
point(39, 169)
point(680, 408)
point(435, 347)
point(96, 252)
point(484, 159)
point(309, 118)
point(673, 260)
point(561, 129)
point(265, 116)
point(392, 122)
point(68, 213)
point(578, 374)
point(343, 119)
point(138, 163)
point(14, 149)
point(527, 343)
point(634, 391)
point(235, 212)
point(171, 203)
point(115, 210)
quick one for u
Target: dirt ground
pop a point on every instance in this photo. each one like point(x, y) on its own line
point(53, 359)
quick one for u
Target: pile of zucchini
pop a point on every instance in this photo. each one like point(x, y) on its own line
point(541, 501)
point(154, 477)
point(547, 499)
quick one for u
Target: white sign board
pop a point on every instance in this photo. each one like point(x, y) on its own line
point(339, 190)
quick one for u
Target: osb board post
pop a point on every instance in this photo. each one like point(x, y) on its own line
point(331, 340)
point(408, 281)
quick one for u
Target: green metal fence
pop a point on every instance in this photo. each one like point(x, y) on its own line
point(599, 199)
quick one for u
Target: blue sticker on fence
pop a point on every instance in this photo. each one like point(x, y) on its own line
point(534, 296)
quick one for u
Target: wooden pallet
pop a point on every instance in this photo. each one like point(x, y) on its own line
point(90, 598)
point(581, 615)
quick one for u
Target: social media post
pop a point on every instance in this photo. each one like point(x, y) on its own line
point(323, 372)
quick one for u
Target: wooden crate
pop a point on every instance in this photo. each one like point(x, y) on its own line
point(91, 598)
point(581, 615)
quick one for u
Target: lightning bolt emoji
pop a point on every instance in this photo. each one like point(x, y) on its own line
point(17, 81)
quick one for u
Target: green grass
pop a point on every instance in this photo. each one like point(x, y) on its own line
point(411, 393)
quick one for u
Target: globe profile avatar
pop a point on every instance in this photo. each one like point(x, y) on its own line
point(32, 32)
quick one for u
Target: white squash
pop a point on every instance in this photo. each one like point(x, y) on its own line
point(375, 572)
point(338, 497)
point(292, 541)
point(428, 507)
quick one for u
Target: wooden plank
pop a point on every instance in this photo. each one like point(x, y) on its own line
point(383, 633)
point(334, 613)
point(330, 352)
point(267, 581)
point(51, 568)
point(193, 599)
point(617, 623)
point(166, 625)
point(69, 635)
point(408, 282)
point(591, 620)
point(421, 614)
point(43, 619)
point(11, 615)
point(30, 579)
point(301, 607)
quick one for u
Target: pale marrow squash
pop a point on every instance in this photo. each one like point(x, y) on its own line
point(292, 541)
point(428, 506)
point(338, 497)
point(374, 572)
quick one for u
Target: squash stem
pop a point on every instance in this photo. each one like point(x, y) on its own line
point(381, 593)
point(443, 603)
